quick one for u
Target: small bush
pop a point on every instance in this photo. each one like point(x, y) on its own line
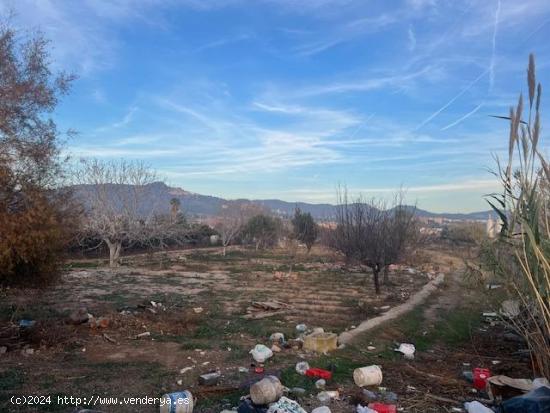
point(31, 243)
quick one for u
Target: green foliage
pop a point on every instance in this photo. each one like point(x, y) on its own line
point(262, 230)
point(304, 228)
point(32, 234)
point(470, 233)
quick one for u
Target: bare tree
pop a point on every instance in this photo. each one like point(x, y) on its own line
point(120, 204)
point(231, 221)
point(371, 233)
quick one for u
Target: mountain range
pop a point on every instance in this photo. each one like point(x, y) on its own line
point(197, 205)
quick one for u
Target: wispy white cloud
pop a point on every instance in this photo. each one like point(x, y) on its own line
point(224, 41)
point(463, 118)
point(412, 39)
point(453, 99)
point(494, 48)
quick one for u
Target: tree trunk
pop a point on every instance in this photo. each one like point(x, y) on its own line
point(223, 250)
point(114, 252)
point(376, 273)
point(386, 275)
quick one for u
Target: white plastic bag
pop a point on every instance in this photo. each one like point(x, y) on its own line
point(261, 353)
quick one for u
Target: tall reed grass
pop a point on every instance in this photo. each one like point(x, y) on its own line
point(520, 256)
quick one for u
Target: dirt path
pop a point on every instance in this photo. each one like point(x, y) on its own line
point(395, 312)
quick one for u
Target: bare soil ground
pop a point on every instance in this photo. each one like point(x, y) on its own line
point(69, 360)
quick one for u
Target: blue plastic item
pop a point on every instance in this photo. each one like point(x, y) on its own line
point(26, 323)
point(536, 401)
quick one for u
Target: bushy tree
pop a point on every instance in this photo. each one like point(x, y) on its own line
point(35, 217)
point(304, 228)
point(262, 230)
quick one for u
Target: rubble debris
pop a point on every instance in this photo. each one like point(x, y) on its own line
point(321, 342)
point(109, 339)
point(510, 308)
point(100, 322)
point(267, 390)
point(275, 348)
point(407, 349)
point(326, 396)
point(285, 405)
point(263, 309)
point(297, 391)
point(301, 328)
point(198, 310)
point(277, 337)
point(185, 370)
point(320, 384)
point(142, 335)
point(209, 379)
point(79, 316)
point(302, 367)
point(261, 353)
point(364, 409)
point(368, 376)
point(3, 349)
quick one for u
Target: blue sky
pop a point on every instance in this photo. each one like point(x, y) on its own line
point(288, 98)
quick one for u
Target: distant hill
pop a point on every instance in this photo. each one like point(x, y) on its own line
point(205, 205)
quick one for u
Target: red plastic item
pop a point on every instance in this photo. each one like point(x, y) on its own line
point(322, 374)
point(480, 378)
point(259, 370)
point(383, 408)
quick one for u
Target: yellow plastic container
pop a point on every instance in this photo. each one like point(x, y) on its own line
point(321, 342)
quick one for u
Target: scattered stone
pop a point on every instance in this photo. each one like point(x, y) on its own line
point(320, 384)
point(275, 348)
point(322, 409)
point(185, 370)
point(198, 310)
point(243, 369)
point(297, 391)
point(301, 328)
point(3, 349)
point(79, 316)
point(326, 396)
point(142, 335)
point(179, 382)
point(209, 379)
point(371, 348)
